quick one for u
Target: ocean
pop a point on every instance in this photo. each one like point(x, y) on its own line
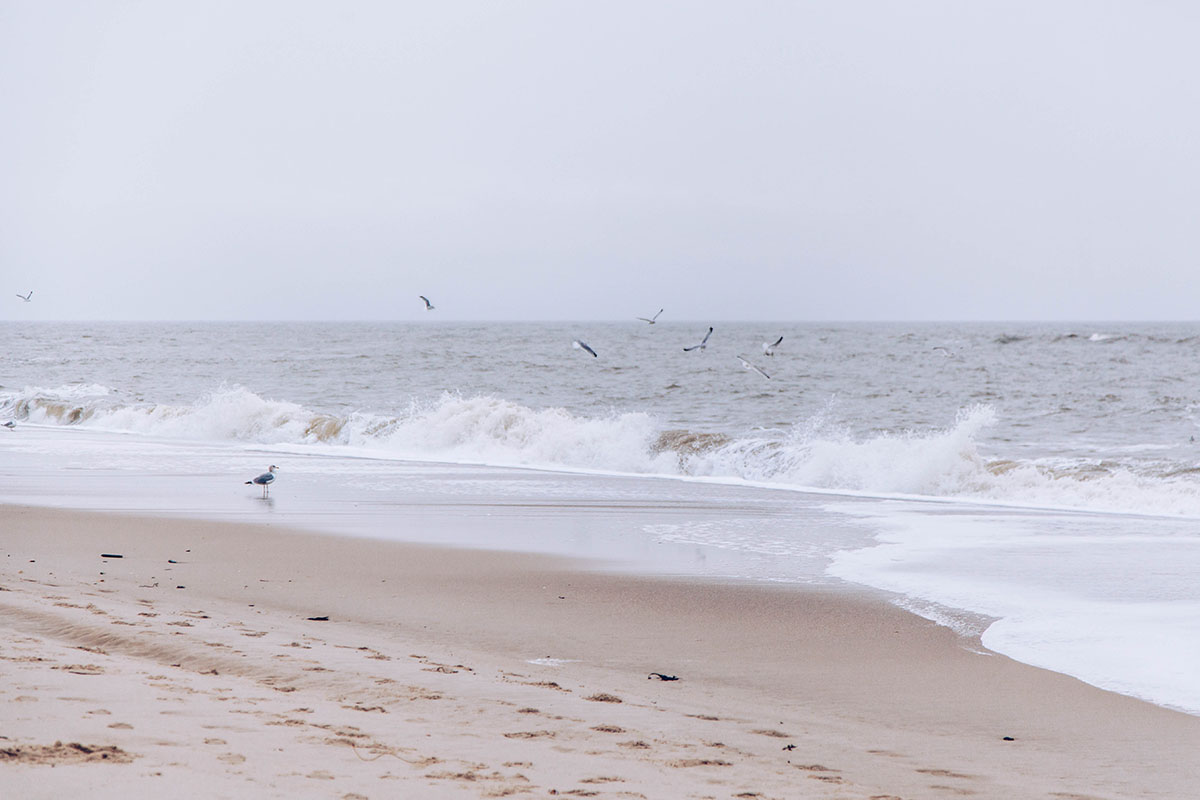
point(1038, 483)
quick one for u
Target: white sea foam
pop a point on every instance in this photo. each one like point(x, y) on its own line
point(495, 431)
point(1065, 592)
point(943, 463)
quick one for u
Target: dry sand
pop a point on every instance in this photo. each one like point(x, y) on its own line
point(191, 668)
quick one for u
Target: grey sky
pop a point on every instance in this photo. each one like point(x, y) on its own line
point(557, 160)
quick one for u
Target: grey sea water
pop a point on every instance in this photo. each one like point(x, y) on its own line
point(1090, 398)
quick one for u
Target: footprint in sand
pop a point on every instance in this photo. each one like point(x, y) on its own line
point(121, 726)
point(59, 753)
point(604, 697)
point(289, 723)
point(82, 669)
point(944, 773)
point(232, 758)
point(827, 778)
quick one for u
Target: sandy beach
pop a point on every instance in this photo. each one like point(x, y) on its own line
point(224, 660)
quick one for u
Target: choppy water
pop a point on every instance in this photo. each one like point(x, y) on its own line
point(1060, 456)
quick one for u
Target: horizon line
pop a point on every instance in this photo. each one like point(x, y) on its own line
point(695, 320)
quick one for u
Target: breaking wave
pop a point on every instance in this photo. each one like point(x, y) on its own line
point(813, 454)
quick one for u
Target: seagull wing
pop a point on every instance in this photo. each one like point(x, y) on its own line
point(581, 345)
point(705, 339)
point(656, 315)
point(777, 341)
point(428, 305)
point(748, 365)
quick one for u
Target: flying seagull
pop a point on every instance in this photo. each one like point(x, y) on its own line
point(578, 345)
point(652, 320)
point(748, 365)
point(428, 305)
point(265, 480)
point(769, 347)
point(703, 342)
point(26, 297)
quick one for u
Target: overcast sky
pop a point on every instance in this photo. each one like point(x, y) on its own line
point(559, 160)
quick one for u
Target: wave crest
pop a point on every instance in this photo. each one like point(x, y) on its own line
point(813, 454)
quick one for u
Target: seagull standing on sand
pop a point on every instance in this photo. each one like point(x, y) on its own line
point(578, 345)
point(703, 342)
point(26, 297)
point(428, 305)
point(748, 365)
point(265, 480)
point(652, 320)
point(769, 347)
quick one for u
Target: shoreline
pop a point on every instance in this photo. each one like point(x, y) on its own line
point(421, 681)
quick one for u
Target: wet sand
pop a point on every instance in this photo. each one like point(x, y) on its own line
point(200, 664)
